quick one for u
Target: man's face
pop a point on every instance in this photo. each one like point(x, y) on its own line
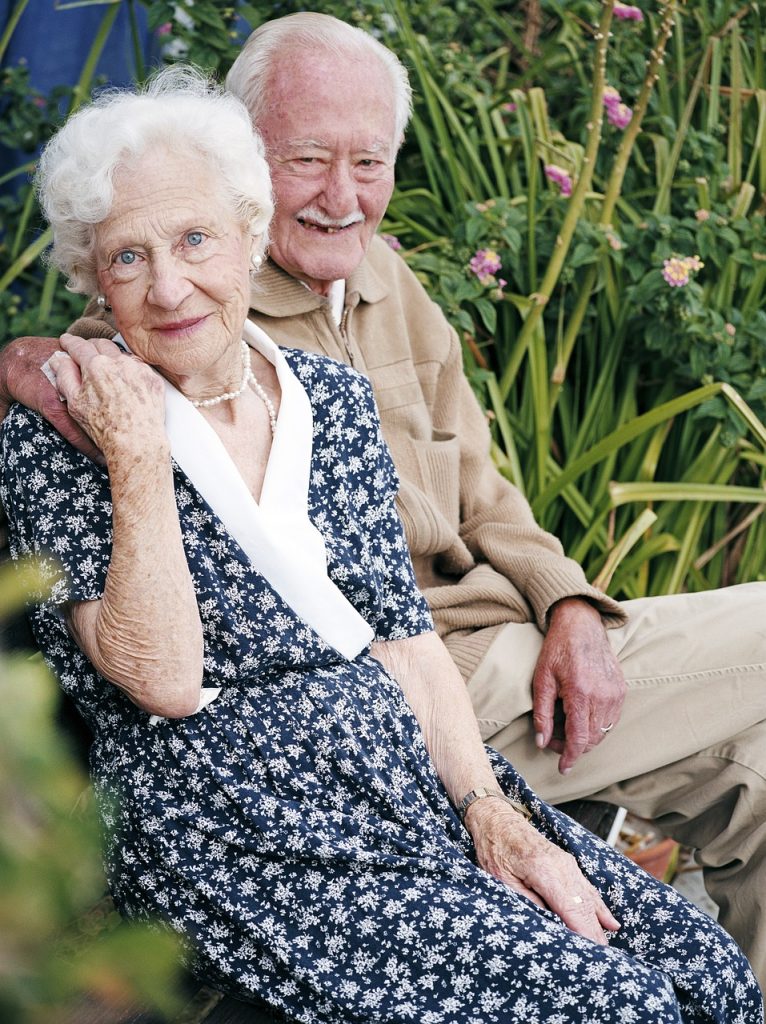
point(329, 136)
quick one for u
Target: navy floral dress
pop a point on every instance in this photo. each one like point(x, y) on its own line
point(294, 831)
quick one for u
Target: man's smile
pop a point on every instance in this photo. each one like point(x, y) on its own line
point(327, 229)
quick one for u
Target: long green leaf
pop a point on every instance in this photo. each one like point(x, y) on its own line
point(622, 436)
point(13, 19)
point(622, 493)
point(628, 540)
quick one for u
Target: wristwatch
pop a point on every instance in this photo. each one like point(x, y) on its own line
point(480, 792)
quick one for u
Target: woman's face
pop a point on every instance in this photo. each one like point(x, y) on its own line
point(173, 263)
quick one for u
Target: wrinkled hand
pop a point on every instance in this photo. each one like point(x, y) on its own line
point(511, 849)
point(21, 380)
point(117, 400)
point(577, 668)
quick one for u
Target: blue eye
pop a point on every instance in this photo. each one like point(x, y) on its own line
point(195, 238)
point(127, 258)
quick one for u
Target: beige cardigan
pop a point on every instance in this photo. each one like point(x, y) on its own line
point(480, 558)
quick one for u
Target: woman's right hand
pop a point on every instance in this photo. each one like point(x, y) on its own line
point(116, 399)
point(511, 849)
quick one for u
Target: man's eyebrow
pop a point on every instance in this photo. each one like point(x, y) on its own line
point(312, 143)
point(376, 146)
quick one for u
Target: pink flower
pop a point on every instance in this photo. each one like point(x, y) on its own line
point(485, 263)
point(702, 215)
point(509, 108)
point(392, 242)
point(675, 272)
point(628, 13)
point(619, 115)
point(730, 329)
point(165, 29)
point(614, 242)
point(612, 97)
point(559, 177)
point(677, 269)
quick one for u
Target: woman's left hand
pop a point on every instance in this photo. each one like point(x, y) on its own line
point(511, 849)
point(118, 400)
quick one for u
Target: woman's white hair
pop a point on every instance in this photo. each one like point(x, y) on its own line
point(181, 109)
point(249, 74)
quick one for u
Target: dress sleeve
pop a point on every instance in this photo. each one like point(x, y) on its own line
point(402, 609)
point(59, 509)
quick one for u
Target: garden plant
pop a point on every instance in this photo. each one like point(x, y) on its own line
point(583, 191)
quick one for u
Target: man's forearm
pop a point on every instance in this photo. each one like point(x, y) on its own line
point(22, 380)
point(20, 363)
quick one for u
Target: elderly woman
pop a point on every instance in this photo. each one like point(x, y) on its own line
point(288, 768)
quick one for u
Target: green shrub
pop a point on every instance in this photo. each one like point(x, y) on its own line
point(584, 336)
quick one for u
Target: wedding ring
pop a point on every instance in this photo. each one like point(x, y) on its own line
point(606, 728)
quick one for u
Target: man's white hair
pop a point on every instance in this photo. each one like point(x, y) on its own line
point(249, 75)
point(179, 109)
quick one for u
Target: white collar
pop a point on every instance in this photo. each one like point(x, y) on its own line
point(277, 535)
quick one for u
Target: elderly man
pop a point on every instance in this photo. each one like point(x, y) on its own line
point(547, 680)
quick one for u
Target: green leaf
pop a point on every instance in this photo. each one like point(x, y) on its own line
point(488, 313)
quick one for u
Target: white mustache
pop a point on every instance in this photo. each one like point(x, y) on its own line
point(310, 213)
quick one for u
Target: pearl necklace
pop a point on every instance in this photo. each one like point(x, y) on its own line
point(248, 377)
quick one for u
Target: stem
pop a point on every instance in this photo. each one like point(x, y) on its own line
point(13, 20)
point(663, 193)
point(576, 204)
point(135, 38)
point(82, 89)
point(653, 65)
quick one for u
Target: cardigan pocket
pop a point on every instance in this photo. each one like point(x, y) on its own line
point(438, 462)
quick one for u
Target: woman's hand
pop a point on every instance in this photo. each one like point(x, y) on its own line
point(511, 849)
point(116, 399)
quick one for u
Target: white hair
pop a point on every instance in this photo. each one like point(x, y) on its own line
point(249, 74)
point(179, 108)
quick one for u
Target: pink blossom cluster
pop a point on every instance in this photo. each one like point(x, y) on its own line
point(627, 12)
point(617, 112)
point(678, 269)
point(392, 242)
point(559, 177)
point(485, 263)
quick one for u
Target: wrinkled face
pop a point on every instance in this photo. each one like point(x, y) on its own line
point(173, 263)
point(329, 135)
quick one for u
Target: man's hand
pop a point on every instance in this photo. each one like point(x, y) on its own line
point(22, 380)
point(578, 680)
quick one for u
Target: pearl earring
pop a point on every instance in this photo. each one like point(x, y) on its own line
point(256, 260)
point(102, 303)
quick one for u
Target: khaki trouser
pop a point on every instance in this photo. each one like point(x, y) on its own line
point(689, 751)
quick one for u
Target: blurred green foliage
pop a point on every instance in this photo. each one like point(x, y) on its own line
point(57, 944)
